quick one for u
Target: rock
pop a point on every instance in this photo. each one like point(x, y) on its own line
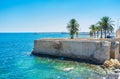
point(112, 63)
point(108, 63)
point(117, 70)
point(117, 63)
point(113, 76)
point(68, 69)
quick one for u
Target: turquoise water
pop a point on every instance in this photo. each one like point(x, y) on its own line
point(17, 63)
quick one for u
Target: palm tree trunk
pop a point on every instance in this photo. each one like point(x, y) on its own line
point(72, 37)
point(105, 34)
point(94, 34)
point(101, 34)
point(109, 33)
point(97, 34)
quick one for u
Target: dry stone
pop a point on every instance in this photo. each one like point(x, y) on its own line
point(112, 63)
point(96, 51)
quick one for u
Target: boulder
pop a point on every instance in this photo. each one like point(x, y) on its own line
point(112, 63)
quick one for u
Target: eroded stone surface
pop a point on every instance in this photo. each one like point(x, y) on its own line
point(118, 33)
point(112, 63)
point(95, 50)
point(113, 76)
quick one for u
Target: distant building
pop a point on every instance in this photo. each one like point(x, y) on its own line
point(118, 33)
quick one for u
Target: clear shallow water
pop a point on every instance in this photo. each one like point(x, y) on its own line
point(16, 62)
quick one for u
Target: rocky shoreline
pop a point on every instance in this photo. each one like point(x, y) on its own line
point(113, 68)
point(95, 50)
point(104, 52)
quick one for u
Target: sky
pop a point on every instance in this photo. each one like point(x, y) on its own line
point(54, 15)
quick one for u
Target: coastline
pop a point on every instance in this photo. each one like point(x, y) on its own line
point(97, 50)
point(60, 48)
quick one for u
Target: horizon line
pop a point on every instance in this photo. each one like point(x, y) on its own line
point(39, 32)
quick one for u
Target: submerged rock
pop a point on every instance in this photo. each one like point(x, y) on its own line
point(68, 69)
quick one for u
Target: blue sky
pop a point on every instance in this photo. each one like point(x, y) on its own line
point(53, 15)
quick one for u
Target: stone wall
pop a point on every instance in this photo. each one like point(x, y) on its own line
point(96, 51)
point(118, 33)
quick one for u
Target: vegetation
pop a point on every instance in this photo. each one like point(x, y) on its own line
point(73, 28)
point(104, 26)
point(100, 25)
point(93, 29)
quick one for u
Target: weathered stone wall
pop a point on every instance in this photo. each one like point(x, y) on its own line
point(118, 33)
point(97, 51)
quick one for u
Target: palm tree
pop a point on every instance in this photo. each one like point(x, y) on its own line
point(106, 22)
point(73, 28)
point(110, 30)
point(97, 29)
point(77, 33)
point(92, 30)
point(91, 34)
point(100, 25)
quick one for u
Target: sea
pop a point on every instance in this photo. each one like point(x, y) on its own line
point(16, 61)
